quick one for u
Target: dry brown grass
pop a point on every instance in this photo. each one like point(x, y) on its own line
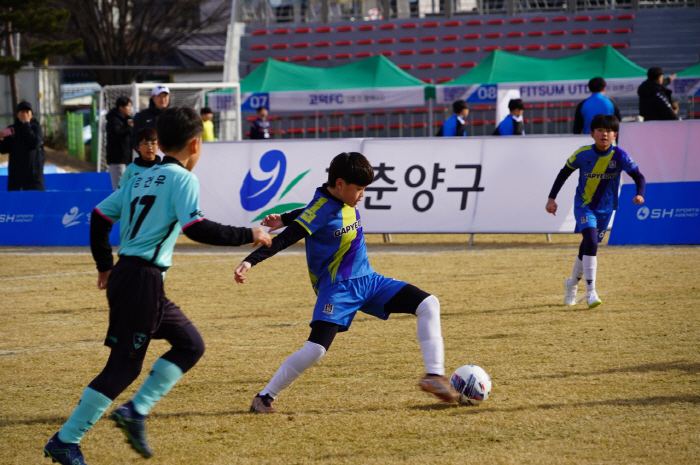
point(619, 384)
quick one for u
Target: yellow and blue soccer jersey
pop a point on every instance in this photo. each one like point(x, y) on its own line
point(599, 176)
point(153, 207)
point(335, 248)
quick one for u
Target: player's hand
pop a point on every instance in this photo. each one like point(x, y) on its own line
point(273, 222)
point(638, 199)
point(260, 237)
point(551, 207)
point(241, 271)
point(102, 278)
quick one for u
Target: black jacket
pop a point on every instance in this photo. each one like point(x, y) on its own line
point(118, 138)
point(655, 101)
point(27, 157)
point(145, 119)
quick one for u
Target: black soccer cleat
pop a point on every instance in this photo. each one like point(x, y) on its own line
point(63, 452)
point(133, 425)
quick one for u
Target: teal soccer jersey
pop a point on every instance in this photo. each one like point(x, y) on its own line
point(153, 207)
point(131, 170)
point(335, 247)
point(599, 176)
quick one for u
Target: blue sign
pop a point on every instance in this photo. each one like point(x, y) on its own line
point(71, 181)
point(670, 215)
point(49, 218)
point(484, 94)
point(256, 101)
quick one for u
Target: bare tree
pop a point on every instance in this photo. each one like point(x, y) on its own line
point(136, 32)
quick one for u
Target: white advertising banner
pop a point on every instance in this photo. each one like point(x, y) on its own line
point(537, 91)
point(422, 185)
point(336, 100)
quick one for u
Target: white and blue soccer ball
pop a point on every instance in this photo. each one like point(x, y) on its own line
point(472, 383)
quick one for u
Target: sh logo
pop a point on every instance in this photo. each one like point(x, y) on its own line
point(71, 218)
point(259, 190)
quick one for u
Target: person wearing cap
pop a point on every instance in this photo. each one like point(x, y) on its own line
point(159, 101)
point(23, 141)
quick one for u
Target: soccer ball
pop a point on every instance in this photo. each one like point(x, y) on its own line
point(472, 383)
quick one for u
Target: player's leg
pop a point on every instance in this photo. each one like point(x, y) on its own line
point(131, 321)
point(590, 264)
point(320, 339)
point(393, 296)
point(187, 348)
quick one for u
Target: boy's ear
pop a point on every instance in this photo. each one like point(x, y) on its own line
point(192, 144)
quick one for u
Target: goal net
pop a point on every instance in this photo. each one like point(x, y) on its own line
point(222, 97)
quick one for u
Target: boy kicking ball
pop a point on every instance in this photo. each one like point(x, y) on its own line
point(599, 166)
point(343, 280)
point(152, 207)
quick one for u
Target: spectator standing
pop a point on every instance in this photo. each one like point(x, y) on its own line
point(159, 101)
point(23, 141)
point(119, 125)
point(596, 104)
point(456, 125)
point(655, 98)
point(207, 116)
point(513, 123)
point(260, 128)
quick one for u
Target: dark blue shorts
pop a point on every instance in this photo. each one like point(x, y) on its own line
point(339, 302)
point(588, 218)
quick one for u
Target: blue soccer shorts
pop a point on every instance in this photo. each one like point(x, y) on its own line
point(339, 302)
point(588, 218)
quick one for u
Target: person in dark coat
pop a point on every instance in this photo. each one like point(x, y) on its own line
point(654, 98)
point(23, 141)
point(119, 125)
point(159, 101)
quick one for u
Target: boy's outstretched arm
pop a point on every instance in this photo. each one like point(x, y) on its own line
point(275, 221)
point(213, 233)
point(641, 183)
point(100, 227)
point(293, 234)
point(563, 175)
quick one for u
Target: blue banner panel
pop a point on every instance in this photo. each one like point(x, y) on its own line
point(49, 218)
point(72, 182)
point(670, 215)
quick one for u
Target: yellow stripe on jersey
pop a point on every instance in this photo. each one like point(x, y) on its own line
point(572, 158)
point(314, 280)
point(349, 217)
point(592, 184)
point(310, 213)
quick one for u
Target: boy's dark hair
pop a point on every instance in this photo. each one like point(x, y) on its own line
point(123, 101)
point(352, 167)
point(260, 108)
point(206, 111)
point(609, 122)
point(176, 126)
point(597, 84)
point(654, 73)
point(146, 134)
point(516, 104)
point(459, 105)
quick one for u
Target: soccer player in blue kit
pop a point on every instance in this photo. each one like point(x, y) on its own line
point(600, 166)
point(343, 280)
point(153, 207)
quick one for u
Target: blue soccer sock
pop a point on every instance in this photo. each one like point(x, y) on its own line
point(90, 408)
point(162, 378)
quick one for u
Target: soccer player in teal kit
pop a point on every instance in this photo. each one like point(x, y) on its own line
point(343, 280)
point(600, 166)
point(153, 207)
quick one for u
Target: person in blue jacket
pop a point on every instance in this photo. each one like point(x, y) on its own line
point(596, 104)
point(513, 123)
point(456, 125)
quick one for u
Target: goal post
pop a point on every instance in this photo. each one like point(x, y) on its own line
point(222, 97)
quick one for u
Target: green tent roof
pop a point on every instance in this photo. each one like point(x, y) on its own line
point(500, 67)
point(278, 76)
point(693, 71)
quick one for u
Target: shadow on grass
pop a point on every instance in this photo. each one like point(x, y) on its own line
point(677, 365)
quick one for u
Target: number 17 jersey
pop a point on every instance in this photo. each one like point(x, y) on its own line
point(153, 207)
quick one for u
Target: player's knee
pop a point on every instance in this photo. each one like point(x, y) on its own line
point(430, 305)
point(314, 351)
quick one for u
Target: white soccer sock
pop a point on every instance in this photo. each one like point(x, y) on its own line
point(590, 265)
point(577, 274)
point(430, 335)
point(293, 367)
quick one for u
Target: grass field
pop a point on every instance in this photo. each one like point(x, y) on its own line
point(618, 384)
